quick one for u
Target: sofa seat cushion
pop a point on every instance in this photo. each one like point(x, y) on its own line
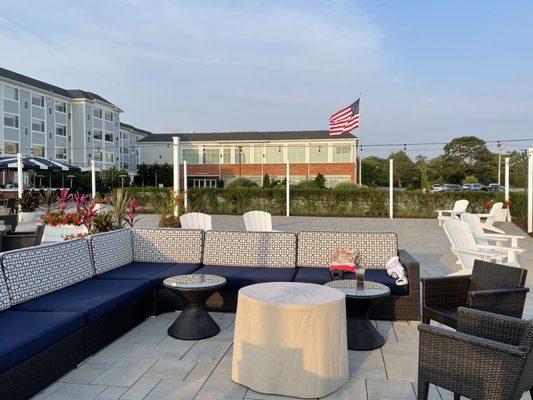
point(322, 275)
point(96, 298)
point(25, 334)
point(154, 272)
point(238, 277)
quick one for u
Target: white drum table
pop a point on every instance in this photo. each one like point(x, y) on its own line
point(290, 339)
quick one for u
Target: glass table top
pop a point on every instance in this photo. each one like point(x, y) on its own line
point(194, 281)
point(349, 288)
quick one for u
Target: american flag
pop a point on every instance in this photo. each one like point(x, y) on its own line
point(345, 120)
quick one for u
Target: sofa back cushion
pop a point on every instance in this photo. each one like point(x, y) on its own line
point(167, 245)
point(374, 248)
point(111, 250)
point(250, 249)
point(5, 300)
point(36, 271)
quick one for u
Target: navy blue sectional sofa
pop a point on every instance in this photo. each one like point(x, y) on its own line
point(63, 302)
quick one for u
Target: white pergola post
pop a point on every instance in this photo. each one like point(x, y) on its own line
point(506, 177)
point(287, 200)
point(530, 190)
point(20, 178)
point(93, 179)
point(176, 169)
point(185, 199)
point(391, 188)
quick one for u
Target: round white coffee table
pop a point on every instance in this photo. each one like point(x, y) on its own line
point(290, 339)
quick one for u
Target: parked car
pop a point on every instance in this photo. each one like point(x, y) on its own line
point(466, 186)
point(474, 186)
point(436, 187)
point(452, 187)
point(494, 187)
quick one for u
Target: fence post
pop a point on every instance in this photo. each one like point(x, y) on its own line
point(391, 188)
point(20, 178)
point(185, 199)
point(93, 179)
point(176, 170)
point(287, 188)
point(530, 190)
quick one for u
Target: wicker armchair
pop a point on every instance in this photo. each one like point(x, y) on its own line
point(491, 287)
point(490, 357)
point(20, 240)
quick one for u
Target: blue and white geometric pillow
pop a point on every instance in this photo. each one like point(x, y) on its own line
point(111, 250)
point(167, 245)
point(37, 271)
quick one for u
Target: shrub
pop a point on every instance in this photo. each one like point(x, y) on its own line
point(241, 182)
point(470, 179)
point(29, 201)
point(103, 222)
point(266, 181)
point(320, 181)
point(306, 185)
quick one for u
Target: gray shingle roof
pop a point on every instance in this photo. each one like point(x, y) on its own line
point(73, 94)
point(134, 128)
point(236, 136)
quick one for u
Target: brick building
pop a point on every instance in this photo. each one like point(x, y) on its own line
point(212, 157)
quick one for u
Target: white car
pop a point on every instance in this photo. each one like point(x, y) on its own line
point(436, 187)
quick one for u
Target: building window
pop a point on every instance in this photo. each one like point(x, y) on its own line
point(61, 153)
point(97, 156)
point(296, 154)
point(226, 156)
point(274, 155)
point(258, 154)
point(244, 152)
point(37, 151)
point(11, 147)
point(126, 166)
point(37, 100)
point(318, 154)
point(342, 153)
point(211, 156)
point(108, 137)
point(97, 134)
point(97, 113)
point(11, 120)
point(61, 130)
point(37, 125)
point(108, 116)
point(109, 157)
point(11, 93)
point(61, 106)
point(191, 156)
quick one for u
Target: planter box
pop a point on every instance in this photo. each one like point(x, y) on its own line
point(58, 233)
point(24, 216)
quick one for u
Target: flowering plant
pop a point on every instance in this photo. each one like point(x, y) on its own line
point(169, 221)
point(507, 204)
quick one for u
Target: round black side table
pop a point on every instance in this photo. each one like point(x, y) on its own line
point(194, 322)
point(362, 335)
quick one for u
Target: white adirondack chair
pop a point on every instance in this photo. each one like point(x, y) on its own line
point(458, 208)
point(476, 227)
point(258, 221)
point(466, 249)
point(491, 217)
point(196, 221)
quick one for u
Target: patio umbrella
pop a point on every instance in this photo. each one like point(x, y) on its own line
point(36, 163)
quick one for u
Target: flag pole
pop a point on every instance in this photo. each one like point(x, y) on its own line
point(360, 138)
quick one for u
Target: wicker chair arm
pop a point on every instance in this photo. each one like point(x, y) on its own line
point(445, 291)
point(458, 340)
point(496, 327)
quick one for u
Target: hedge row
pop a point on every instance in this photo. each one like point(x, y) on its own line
point(349, 202)
point(519, 206)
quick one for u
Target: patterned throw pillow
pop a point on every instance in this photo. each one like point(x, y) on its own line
point(167, 245)
point(111, 250)
point(343, 260)
point(36, 271)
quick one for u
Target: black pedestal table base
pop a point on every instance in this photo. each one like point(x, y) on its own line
point(362, 334)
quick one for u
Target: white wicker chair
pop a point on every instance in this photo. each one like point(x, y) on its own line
point(258, 221)
point(491, 217)
point(466, 249)
point(458, 208)
point(196, 221)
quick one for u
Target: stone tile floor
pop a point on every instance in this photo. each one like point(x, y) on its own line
point(148, 364)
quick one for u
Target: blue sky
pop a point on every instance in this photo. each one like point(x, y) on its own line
point(428, 71)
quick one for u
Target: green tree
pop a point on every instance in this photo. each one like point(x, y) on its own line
point(470, 179)
point(404, 168)
point(421, 164)
point(266, 181)
point(320, 181)
point(468, 155)
point(374, 171)
point(517, 168)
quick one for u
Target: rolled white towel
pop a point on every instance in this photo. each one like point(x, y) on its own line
point(396, 270)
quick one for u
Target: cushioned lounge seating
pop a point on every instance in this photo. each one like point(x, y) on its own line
point(375, 249)
point(26, 334)
point(95, 298)
point(238, 277)
point(153, 272)
point(323, 275)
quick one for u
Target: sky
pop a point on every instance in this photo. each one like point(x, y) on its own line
point(427, 71)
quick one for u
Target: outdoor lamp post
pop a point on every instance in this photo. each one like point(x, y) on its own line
point(71, 177)
point(122, 177)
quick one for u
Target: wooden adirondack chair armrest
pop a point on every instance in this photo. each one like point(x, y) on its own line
point(483, 255)
point(502, 249)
